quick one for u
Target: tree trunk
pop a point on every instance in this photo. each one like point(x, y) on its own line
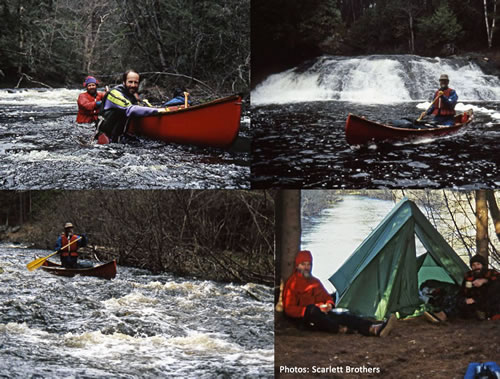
point(412, 35)
point(20, 11)
point(490, 30)
point(288, 230)
point(481, 223)
point(494, 211)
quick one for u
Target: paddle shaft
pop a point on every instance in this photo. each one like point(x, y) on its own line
point(424, 113)
point(37, 263)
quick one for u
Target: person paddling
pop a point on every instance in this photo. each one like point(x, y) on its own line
point(443, 104)
point(67, 245)
point(121, 103)
point(89, 102)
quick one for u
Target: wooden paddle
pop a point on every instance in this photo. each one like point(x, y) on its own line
point(424, 113)
point(37, 263)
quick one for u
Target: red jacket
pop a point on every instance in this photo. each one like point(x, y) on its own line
point(87, 107)
point(300, 292)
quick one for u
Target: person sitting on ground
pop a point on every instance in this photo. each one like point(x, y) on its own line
point(306, 300)
point(67, 245)
point(89, 102)
point(480, 291)
point(178, 98)
point(121, 103)
point(443, 105)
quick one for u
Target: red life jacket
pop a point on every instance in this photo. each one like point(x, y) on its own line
point(441, 108)
point(87, 108)
point(71, 249)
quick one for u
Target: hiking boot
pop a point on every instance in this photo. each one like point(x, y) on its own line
point(387, 326)
point(429, 316)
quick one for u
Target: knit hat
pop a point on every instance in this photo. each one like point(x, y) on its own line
point(480, 259)
point(88, 80)
point(303, 256)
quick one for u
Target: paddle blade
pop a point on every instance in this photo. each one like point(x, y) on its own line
point(37, 263)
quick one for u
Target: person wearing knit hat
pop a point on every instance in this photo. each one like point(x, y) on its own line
point(307, 301)
point(89, 102)
point(480, 291)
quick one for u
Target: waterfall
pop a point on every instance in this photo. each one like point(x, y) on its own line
point(376, 79)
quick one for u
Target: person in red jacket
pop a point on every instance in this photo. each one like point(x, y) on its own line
point(89, 102)
point(306, 300)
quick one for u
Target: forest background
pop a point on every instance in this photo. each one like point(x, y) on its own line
point(223, 235)
point(286, 33)
point(197, 44)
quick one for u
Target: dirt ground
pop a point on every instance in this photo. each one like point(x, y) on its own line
point(415, 349)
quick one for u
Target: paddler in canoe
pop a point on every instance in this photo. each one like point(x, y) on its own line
point(443, 105)
point(121, 103)
point(67, 245)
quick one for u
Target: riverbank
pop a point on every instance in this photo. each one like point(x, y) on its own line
point(415, 349)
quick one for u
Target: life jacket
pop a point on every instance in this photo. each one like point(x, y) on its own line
point(441, 108)
point(115, 118)
point(71, 250)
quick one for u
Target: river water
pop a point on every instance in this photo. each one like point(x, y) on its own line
point(299, 121)
point(42, 147)
point(334, 235)
point(136, 325)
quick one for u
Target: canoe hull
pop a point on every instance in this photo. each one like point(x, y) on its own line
point(214, 124)
point(360, 131)
point(105, 271)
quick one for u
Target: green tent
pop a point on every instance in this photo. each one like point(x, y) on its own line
point(383, 274)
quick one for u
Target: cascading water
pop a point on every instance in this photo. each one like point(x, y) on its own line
point(376, 79)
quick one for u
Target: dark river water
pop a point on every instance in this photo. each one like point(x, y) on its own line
point(138, 325)
point(302, 145)
point(42, 147)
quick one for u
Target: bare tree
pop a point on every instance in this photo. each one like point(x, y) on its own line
point(490, 30)
point(481, 223)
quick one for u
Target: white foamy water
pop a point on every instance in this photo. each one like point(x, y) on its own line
point(376, 80)
point(40, 98)
point(136, 325)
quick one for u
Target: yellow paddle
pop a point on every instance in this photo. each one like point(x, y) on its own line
point(37, 263)
point(423, 113)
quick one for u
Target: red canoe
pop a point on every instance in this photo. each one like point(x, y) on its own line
point(359, 130)
point(105, 271)
point(215, 124)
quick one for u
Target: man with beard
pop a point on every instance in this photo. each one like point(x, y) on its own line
point(89, 102)
point(480, 290)
point(306, 300)
point(443, 105)
point(121, 103)
point(67, 244)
